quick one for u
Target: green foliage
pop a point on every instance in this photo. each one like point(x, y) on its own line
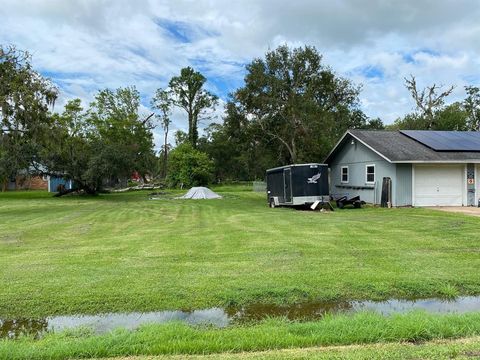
point(450, 117)
point(292, 108)
point(239, 148)
point(181, 137)
point(187, 92)
point(429, 101)
point(373, 124)
point(291, 95)
point(105, 143)
point(472, 107)
point(189, 166)
point(433, 114)
point(25, 97)
point(163, 103)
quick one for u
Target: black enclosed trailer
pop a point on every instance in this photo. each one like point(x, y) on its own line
point(298, 184)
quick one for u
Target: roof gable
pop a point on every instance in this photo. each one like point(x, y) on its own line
point(396, 147)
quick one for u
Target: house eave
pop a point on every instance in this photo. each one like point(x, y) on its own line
point(473, 161)
point(360, 141)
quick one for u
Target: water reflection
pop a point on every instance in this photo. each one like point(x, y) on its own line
point(218, 317)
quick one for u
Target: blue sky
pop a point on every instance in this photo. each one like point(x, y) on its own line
point(87, 45)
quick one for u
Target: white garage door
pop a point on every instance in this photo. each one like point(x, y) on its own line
point(438, 185)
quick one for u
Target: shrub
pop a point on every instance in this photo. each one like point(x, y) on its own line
point(189, 166)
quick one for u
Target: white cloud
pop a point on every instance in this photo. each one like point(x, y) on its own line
point(86, 45)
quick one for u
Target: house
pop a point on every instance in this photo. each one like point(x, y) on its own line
point(426, 168)
point(28, 182)
point(31, 178)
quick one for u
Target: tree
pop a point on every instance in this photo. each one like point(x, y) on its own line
point(163, 103)
point(181, 137)
point(188, 93)
point(106, 142)
point(408, 122)
point(25, 98)
point(450, 117)
point(472, 107)
point(115, 118)
point(239, 148)
point(428, 101)
point(69, 150)
point(189, 167)
point(373, 124)
point(298, 101)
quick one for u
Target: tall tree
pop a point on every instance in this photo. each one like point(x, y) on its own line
point(472, 107)
point(163, 103)
point(189, 94)
point(238, 147)
point(116, 121)
point(107, 141)
point(299, 102)
point(428, 101)
point(25, 98)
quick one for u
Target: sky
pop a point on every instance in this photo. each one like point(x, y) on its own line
point(87, 45)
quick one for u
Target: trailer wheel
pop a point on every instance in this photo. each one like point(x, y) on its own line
point(340, 205)
point(272, 204)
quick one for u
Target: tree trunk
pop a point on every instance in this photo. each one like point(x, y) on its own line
point(88, 190)
point(61, 193)
point(293, 151)
point(191, 123)
point(165, 154)
point(194, 138)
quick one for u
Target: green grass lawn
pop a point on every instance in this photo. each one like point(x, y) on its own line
point(465, 349)
point(123, 252)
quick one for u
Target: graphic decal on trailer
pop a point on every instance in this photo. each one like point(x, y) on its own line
point(314, 179)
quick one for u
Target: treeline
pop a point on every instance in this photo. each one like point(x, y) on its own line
point(106, 141)
point(433, 113)
point(292, 108)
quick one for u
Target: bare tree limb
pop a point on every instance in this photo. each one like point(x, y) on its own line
point(428, 100)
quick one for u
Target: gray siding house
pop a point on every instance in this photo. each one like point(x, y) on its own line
point(426, 168)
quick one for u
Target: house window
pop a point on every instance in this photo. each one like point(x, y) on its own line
point(344, 174)
point(370, 174)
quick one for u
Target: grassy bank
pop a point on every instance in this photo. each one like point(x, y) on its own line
point(123, 252)
point(175, 338)
point(465, 349)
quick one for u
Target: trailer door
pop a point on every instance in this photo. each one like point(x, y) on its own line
point(287, 182)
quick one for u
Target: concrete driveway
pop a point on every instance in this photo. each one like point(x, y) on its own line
point(468, 210)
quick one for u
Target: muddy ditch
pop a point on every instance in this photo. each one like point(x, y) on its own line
point(218, 317)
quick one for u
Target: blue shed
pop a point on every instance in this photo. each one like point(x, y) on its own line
point(55, 181)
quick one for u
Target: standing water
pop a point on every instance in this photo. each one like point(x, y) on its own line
point(218, 317)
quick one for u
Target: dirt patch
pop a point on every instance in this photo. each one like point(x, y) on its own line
point(468, 210)
point(10, 239)
point(474, 354)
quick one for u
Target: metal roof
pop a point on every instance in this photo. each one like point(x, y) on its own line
point(292, 165)
point(396, 147)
